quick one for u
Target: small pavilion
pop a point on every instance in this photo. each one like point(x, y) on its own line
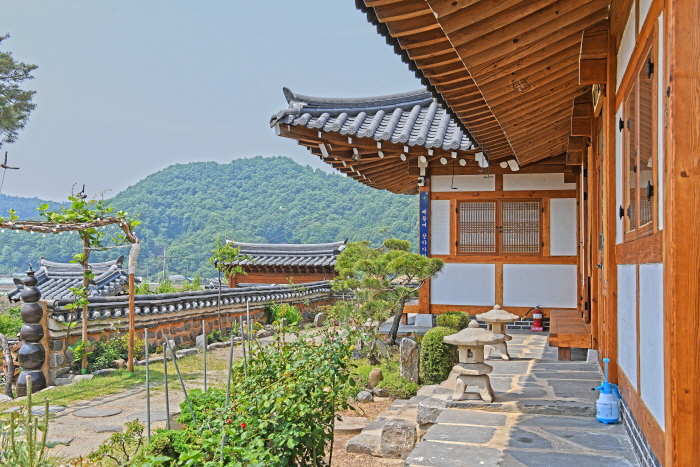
point(282, 263)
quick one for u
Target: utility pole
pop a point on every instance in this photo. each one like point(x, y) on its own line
point(165, 258)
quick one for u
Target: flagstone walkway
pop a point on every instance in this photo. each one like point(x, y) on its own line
point(543, 415)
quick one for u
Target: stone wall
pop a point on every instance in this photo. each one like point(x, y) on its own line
point(178, 316)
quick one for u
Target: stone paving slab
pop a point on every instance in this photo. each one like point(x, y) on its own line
point(431, 453)
point(460, 434)
point(471, 417)
point(518, 438)
point(107, 428)
point(96, 412)
point(559, 459)
point(590, 440)
point(156, 416)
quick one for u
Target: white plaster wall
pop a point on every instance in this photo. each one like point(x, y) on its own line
point(627, 321)
point(517, 182)
point(629, 37)
point(651, 338)
point(659, 192)
point(440, 227)
point(547, 285)
point(618, 178)
point(464, 284)
point(644, 6)
point(562, 227)
point(462, 183)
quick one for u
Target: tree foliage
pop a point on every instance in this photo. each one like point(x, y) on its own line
point(187, 206)
point(15, 103)
point(384, 278)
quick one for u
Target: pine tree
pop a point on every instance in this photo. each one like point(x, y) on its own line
point(15, 103)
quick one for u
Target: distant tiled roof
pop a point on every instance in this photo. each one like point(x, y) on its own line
point(266, 254)
point(56, 278)
point(413, 118)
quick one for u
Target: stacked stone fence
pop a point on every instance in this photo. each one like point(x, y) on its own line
point(175, 316)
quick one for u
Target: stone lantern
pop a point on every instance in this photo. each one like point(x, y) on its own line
point(497, 319)
point(471, 369)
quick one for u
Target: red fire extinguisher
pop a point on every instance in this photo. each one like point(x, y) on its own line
point(536, 319)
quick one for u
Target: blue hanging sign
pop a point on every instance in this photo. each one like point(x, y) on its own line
point(423, 222)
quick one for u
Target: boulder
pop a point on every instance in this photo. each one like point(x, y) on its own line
point(364, 396)
point(375, 376)
point(398, 439)
point(185, 353)
point(381, 392)
point(364, 444)
point(199, 343)
point(409, 357)
point(104, 372)
point(319, 319)
point(429, 410)
point(119, 364)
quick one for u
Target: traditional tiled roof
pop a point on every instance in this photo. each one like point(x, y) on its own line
point(285, 254)
point(55, 279)
point(413, 118)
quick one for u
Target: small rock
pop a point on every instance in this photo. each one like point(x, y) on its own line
point(381, 392)
point(185, 353)
point(409, 357)
point(264, 333)
point(398, 439)
point(364, 444)
point(350, 425)
point(382, 348)
point(199, 343)
point(104, 372)
point(375, 376)
point(364, 396)
point(119, 364)
point(429, 410)
point(54, 441)
point(107, 428)
point(319, 320)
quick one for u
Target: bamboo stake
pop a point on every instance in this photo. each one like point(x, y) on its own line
point(204, 352)
point(165, 376)
point(245, 362)
point(228, 393)
point(247, 312)
point(182, 383)
point(148, 389)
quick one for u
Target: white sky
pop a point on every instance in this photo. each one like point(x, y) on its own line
point(128, 87)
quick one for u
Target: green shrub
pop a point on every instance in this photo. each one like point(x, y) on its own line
point(10, 322)
point(215, 336)
point(437, 357)
point(101, 354)
point(454, 319)
point(399, 386)
point(204, 404)
point(289, 312)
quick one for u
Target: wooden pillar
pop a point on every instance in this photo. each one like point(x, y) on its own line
point(609, 270)
point(424, 293)
point(682, 235)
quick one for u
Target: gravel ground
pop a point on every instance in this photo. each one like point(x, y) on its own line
point(344, 459)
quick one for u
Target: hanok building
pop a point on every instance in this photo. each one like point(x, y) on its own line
point(282, 263)
point(56, 280)
point(587, 114)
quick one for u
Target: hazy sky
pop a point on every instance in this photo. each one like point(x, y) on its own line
point(127, 87)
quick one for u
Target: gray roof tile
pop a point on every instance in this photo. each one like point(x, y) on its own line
point(413, 118)
point(266, 254)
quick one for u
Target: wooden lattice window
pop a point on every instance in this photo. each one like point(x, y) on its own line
point(499, 227)
point(639, 150)
point(477, 227)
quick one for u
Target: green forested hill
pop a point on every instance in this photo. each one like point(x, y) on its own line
point(186, 206)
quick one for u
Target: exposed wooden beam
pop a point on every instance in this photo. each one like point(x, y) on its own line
point(575, 149)
point(582, 116)
point(593, 56)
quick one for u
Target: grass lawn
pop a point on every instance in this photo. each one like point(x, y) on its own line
point(191, 368)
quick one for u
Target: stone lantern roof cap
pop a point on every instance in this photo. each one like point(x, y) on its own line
point(498, 315)
point(474, 337)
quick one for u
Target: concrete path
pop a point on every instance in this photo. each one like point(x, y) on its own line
point(543, 415)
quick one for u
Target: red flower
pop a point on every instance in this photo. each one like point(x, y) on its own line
point(228, 420)
point(243, 425)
